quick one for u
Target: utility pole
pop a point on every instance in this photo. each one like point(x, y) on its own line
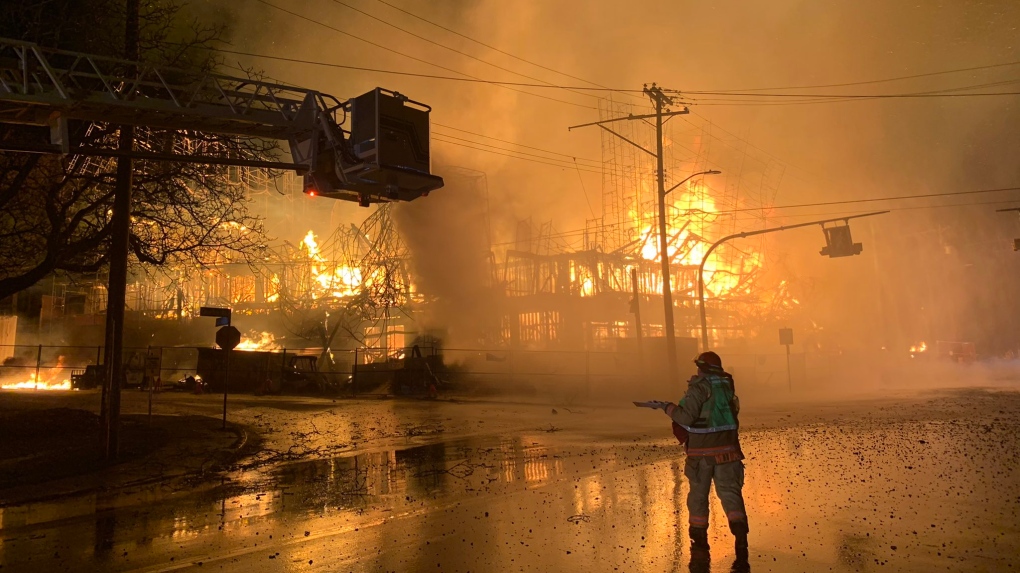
point(661, 102)
point(121, 224)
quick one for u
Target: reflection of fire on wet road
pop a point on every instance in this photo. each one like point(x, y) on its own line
point(828, 490)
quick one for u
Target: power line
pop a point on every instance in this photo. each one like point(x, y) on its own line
point(947, 92)
point(454, 50)
point(873, 199)
point(505, 53)
point(510, 150)
point(869, 82)
point(548, 162)
point(808, 98)
point(579, 233)
point(513, 143)
point(851, 96)
point(468, 79)
point(506, 85)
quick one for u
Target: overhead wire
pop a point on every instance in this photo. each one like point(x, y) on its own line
point(505, 85)
point(549, 162)
point(884, 80)
point(579, 233)
point(437, 124)
point(822, 98)
point(486, 147)
point(875, 199)
point(505, 53)
point(467, 79)
point(454, 50)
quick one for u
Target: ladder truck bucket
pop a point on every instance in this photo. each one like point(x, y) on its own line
point(383, 158)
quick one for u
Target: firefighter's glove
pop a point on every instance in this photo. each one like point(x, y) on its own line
point(669, 407)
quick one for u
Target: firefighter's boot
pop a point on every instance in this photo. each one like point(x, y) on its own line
point(740, 529)
point(699, 538)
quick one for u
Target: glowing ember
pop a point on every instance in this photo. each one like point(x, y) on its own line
point(258, 341)
point(918, 349)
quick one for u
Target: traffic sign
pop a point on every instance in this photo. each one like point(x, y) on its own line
point(786, 336)
point(228, 337)
point(222, 314)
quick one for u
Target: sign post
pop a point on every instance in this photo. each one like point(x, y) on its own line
point(786, 339)
point(227, 338)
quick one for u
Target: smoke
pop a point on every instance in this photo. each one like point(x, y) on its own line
point(925, 274)
point(447, 237)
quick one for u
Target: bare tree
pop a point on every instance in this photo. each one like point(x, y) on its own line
point(55, 211)
point(357, 277)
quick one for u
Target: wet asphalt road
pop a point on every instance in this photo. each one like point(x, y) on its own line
point(907, 484)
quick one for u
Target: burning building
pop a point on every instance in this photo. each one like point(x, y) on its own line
point(368, 286)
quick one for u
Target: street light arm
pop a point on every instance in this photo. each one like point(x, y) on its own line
point(693, 175)
point(701, 267)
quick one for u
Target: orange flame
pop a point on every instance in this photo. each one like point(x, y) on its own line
point(258, 341)
point(337, 280)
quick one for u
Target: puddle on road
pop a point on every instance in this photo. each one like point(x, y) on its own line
point(855, 496)
point(352, 488)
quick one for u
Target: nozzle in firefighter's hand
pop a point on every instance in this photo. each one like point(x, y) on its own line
point(653, 404)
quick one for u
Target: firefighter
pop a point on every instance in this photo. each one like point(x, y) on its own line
point(708, 415)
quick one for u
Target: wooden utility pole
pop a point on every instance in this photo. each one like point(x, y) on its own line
point(117, 289)
point(661, 102)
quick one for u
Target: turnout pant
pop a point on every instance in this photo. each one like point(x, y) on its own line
point(729, 480)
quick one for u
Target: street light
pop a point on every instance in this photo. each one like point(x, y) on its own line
point(709, 172)
point(838, 244)
point(667, 291)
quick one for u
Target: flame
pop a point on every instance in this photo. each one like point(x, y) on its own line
point(274, 288)
point(339, 281)
point(918, 349)
point(258, 341)
point(49, 379)
point(694, 210)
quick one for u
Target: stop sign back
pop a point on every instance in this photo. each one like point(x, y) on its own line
point(228, 337)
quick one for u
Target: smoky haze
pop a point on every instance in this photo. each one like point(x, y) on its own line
point(447, 237)
point(925, 274)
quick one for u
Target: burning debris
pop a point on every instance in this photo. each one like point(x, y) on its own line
point(258, 341)
point(50, 378)
point(43, 383)
point(918, 349)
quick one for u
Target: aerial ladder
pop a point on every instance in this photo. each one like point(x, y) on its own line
point(369, 149)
